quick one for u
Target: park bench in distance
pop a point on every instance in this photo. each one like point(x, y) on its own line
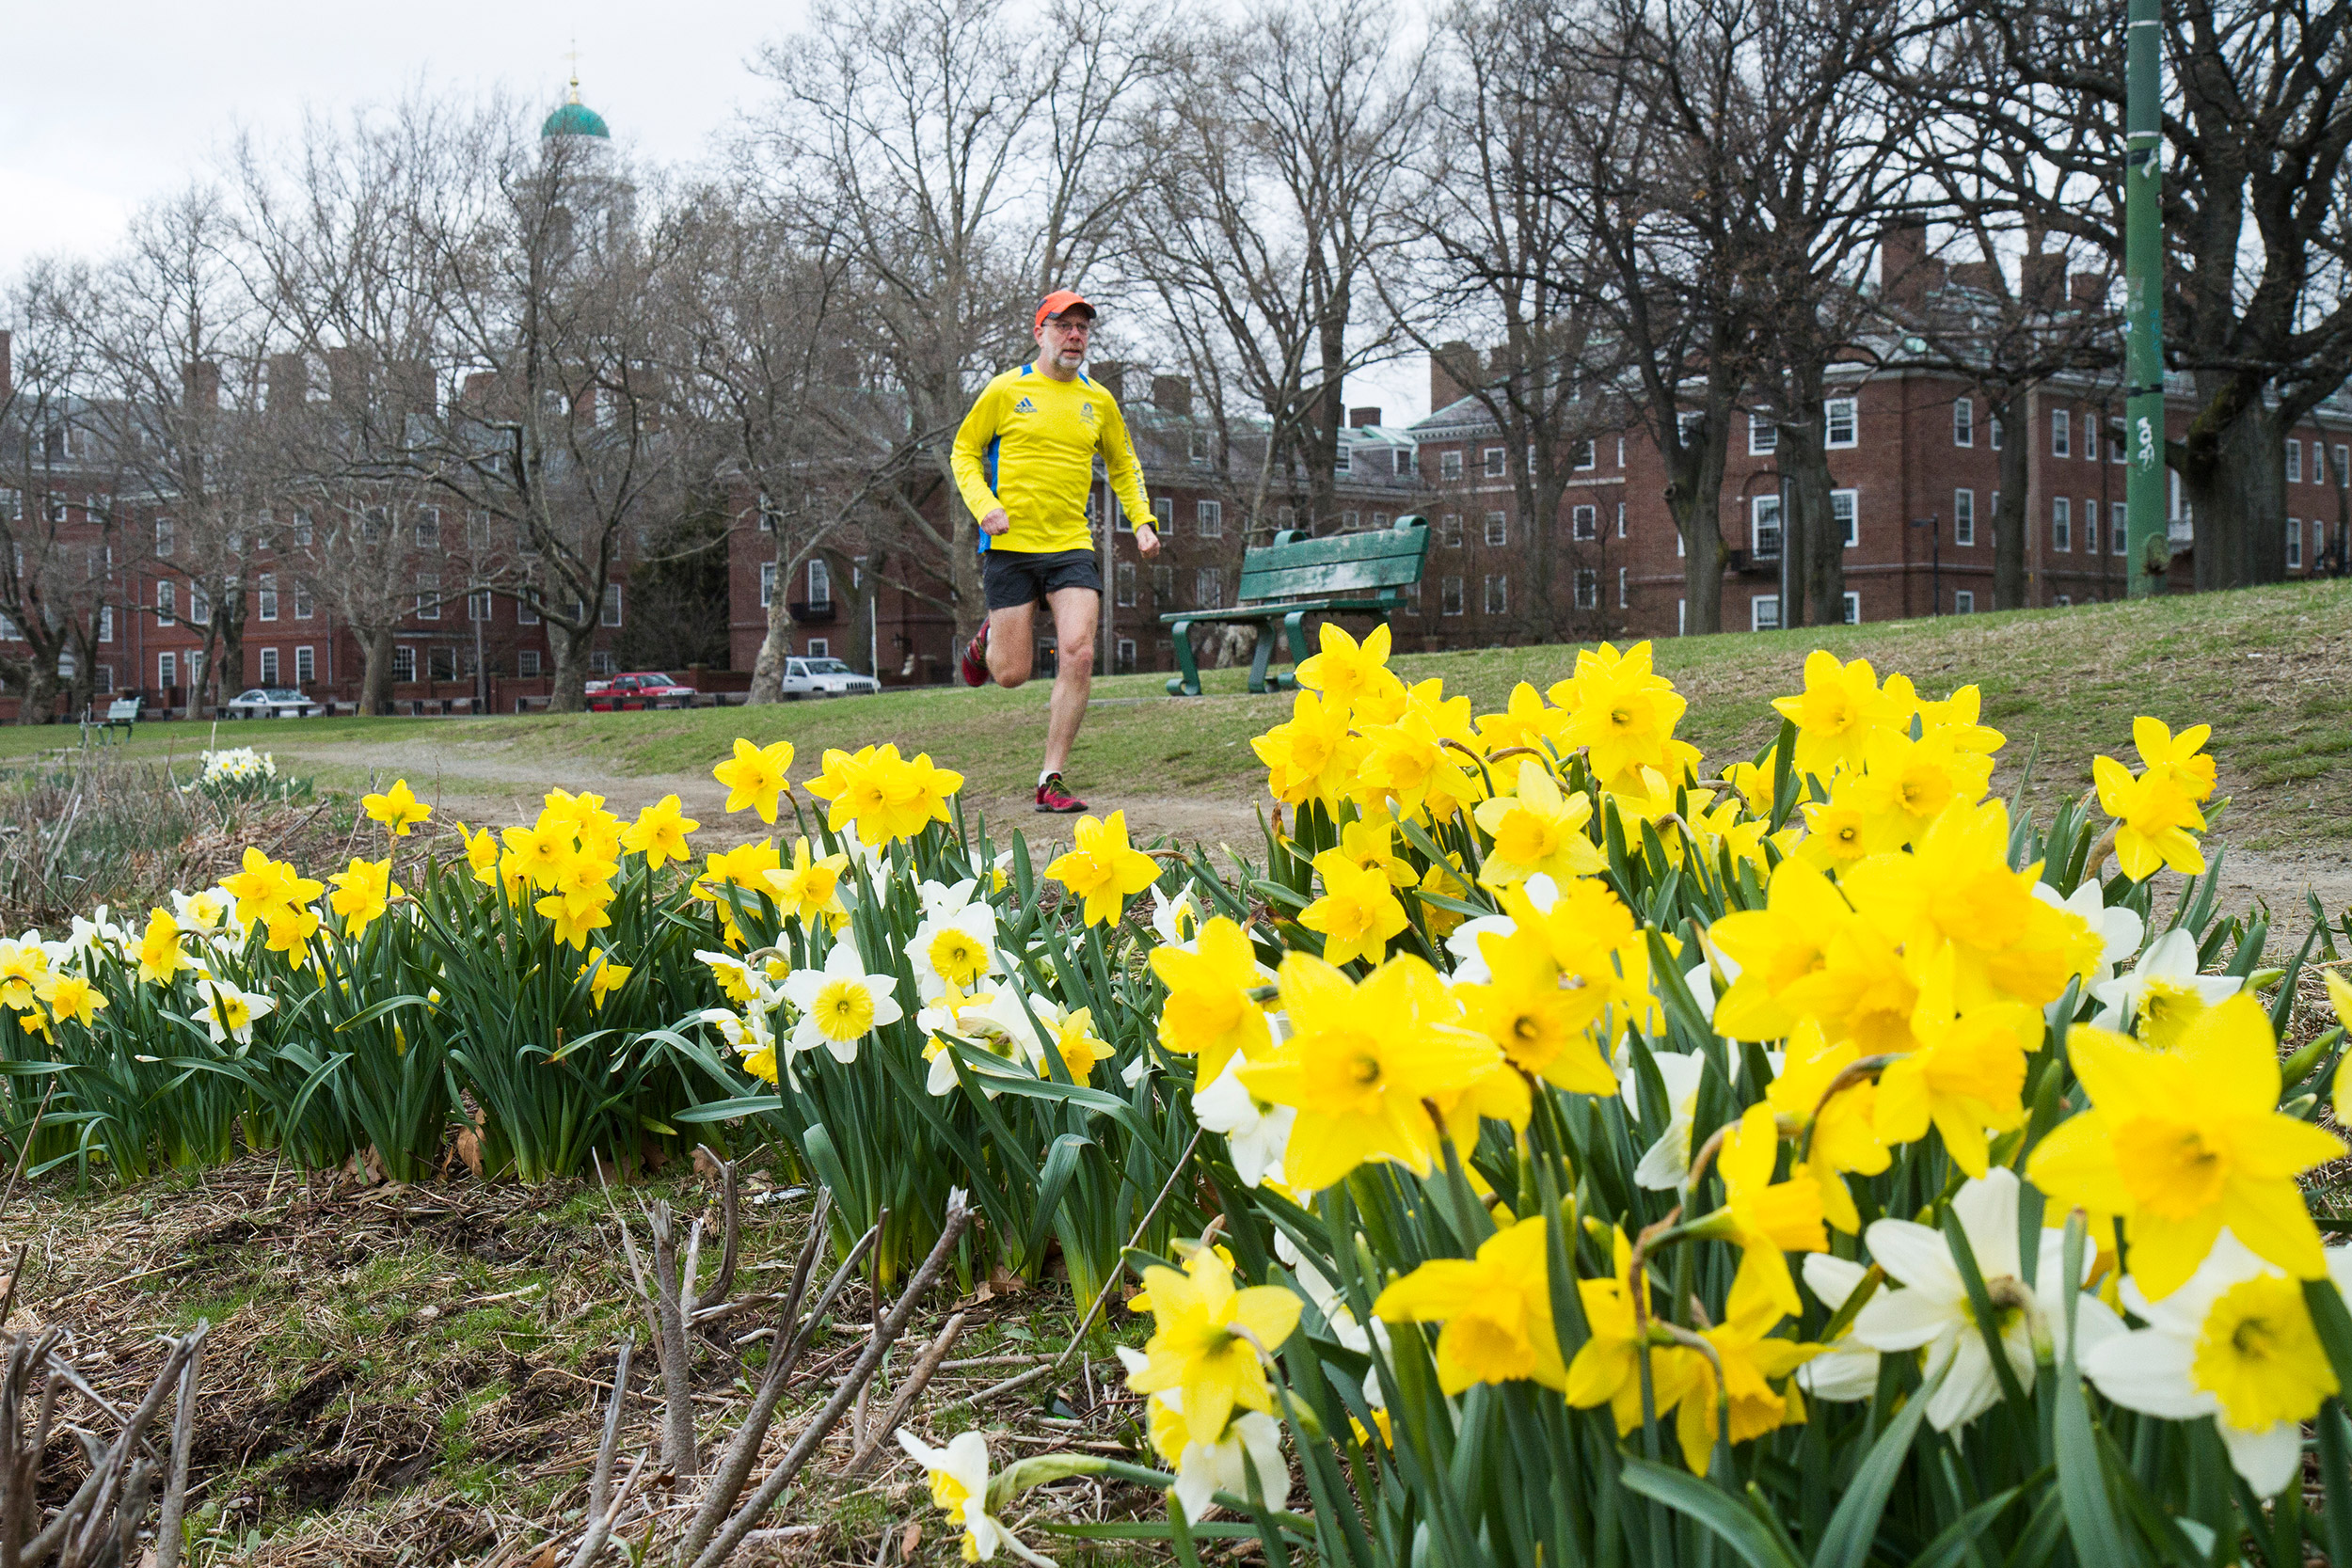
point(122, 713)
point(1296, 577)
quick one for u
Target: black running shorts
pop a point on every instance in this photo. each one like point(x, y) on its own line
point(1016, 578)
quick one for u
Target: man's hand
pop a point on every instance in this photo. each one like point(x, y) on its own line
point(995, 522)
point(1148, 539)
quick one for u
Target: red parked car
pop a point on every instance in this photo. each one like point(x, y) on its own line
point(640, 689)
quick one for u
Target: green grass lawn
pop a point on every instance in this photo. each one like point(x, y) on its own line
point(2270, 668)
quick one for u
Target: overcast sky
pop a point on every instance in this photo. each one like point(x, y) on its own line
point(110, 104)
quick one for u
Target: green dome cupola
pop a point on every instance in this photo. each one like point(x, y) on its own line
point(574, 118)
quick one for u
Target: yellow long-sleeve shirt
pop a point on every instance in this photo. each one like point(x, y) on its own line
point(1028, 446)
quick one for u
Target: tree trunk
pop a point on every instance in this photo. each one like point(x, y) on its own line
point(2236, 485)
point(1820, 562)
point(40, 692)
point(2012, 415)
point(570, 691)
point(776, 647)
point(376, 671)
point(1695, 495)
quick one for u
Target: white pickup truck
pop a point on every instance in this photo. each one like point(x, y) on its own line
point(824, 677)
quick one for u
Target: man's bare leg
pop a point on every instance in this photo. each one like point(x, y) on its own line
point(1076, 616)
point(1011, 645)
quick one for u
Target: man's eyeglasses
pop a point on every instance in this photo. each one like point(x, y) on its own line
point(1067, 325)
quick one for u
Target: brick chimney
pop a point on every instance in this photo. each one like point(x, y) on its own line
point(200, 384)
point(289, 382)
point(1906, 272)
point(1171, 394)
point(2089, 289)
point(346, 376)
point(1453, 371)
point(1111, 376)
point(2040, 278)
point(1358, 418)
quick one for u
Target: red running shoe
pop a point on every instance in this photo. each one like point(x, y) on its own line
point(974, 664)
point(1051, 795)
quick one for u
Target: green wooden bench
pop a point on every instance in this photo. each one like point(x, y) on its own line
point(1297, 576)
point(122, 713)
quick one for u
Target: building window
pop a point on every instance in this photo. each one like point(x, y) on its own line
point(1209, 518)
point(1851, 607)
point(2118, 529)
point(1763, 435)
point(1625, 588)
point(1200, 449)
point(2061, 523)
point(820, 582)
point(428, 596)
point(1125, 578)
point(306, 665)
point(527, 663)
point(1347, 522)
point(105, 677)
point(1494, 460)
point(269, 667)
point(1450, 597)
point(1621, 519)
point(1498, 595)
point(1407, 461)
point(1583, 522)
point(1342, 459)
point(441, 662)
point(167, 670)
point(478, 603)
point(303, 608)
point(1164, 587)
point(1963, 601)
point(1164, 515)
point(1449, 464)
point(2319, 464)
point(1379, 521)
point(1764, 612)
point(819, 647)
point(1450, 530)
point(612, 616)
point(1963, 421)
point(2060, 433)
point(1841, 425)
point(1690, 424)
point(199, 607)
point(2343, 464)
point(1412, 598)
point(1964, 516)
point(1123, 656)
point(1846, 517)
point(2116, 448)
point(1586, 456)
point(166, 604)
point(766, 584)
point(1992, 431)
point(1208, 588)
point(1764, 529)
point(600, 662)
point(428, 528)
point(767, 513)
point(302, 529)
point(11, 505)
point(265, 597)
point(106, 623)
point(1588, 588)
point(163, 538)
point(2294, 544)
point(1498, 528)
point(404, 664)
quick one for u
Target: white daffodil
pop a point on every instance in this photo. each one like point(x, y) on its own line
point(1342, 1316)
point(2163, 991)
point(229, 1012)
point(1255, 1134)
point(1220, 1463)
point(1175, 920)
point(966, 1016)
point(840, 1003)
point(1849, 1370)
point(939, 900)
point(744, 983)
point(959, 1478)
point(1932, 1312)
point(955, 947)
point(2120, 929)
point(1666, 1163)
point(2235, 1343)
point(98, 931)
point(1469, 958)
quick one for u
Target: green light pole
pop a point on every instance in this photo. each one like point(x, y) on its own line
point(2148, 538)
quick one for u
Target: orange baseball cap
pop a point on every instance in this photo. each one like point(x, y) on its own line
point(1061, 302)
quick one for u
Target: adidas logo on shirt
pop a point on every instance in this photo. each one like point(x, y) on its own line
point(1025, 406)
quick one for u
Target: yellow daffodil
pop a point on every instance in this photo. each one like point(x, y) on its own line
point(70, 996)
point(1543, 1026)
point(1838, 714)
point(659, 833)
point(1208, 1012)
point(605, 977)
point(1208, 1337)
point(2174, 759)
point(1767, 1218)
point(1312, 756)
point(2180, 1142)
point(1357, 913)
point(1347, 669)
point(2156, 821)
point(1751, 1358)
point(396, 808)
point(1964, 1073)
point(1608, 1366)
point(1496, 1309)
point(572, 921)
point(1624, 715)
point(362, 893)
point(160, 955)
point(754, 777)
point(1843, 1133)
point(265, 885)
point(1537, 830)
point(1103, 870)
point(1360, 1062)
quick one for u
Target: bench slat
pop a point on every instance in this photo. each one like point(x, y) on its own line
point(1269, 581)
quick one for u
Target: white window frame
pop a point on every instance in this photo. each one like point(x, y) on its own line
point(1763, 436)
point(1832, 409)
point(106, 623)
point(2090, 526)
point(167, 669)
point(306, 662)
point(269, 666)
point(1497, 529)
point(1123, 584)
point(1963, 601)
point(819, 647)
point(1495, 462)
point(265, 597)
point(1588, 588)
point(1851, 605)
point(426, 528)
point(2119, 529)
point(1764, 612)
point(1587, 455)
point(1208, 588)
point(428, 596)
point(478, 604)
point(766, 584)
point(2294, 544)
point(1964, 516)
point(526, 663)
point(1450, 595)
point(1851, 500)
point(1583, 522)
point(1450, 530)
point(1449, 463)
point(817, 581)
point(1497, 594)
point(611, 615)
point(304, 607)
point(166, 604)
point(2062, 525)
point(2061, 433)
point(1963, 421)
point(1759, 507)
point(1208, 518)
point(1624, 587)
point(402, 654)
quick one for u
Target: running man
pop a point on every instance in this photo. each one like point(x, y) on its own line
point(1024, 464)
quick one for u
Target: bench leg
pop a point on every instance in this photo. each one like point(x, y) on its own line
point(1263, 656)
point(1186, 681)
point(1295, 627)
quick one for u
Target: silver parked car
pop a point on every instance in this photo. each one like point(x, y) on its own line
point(271, 701)
point(825, 677)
